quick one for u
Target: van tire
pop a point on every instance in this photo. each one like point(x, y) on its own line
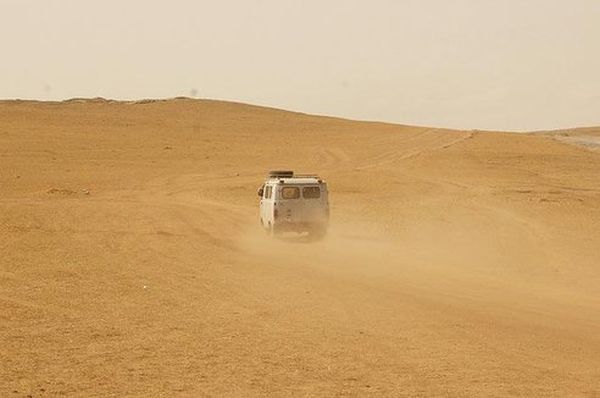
point(272, 230)
point(317, 233)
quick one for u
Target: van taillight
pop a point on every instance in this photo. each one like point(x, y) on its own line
point(275, 213)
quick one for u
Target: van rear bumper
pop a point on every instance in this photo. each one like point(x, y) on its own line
point(290, 226)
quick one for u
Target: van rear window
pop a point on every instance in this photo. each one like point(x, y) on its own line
point(311, 192)
point(290, 193)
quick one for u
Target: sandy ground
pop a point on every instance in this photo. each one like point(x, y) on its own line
point(131, 261)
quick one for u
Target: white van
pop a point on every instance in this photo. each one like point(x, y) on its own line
point(295, 203)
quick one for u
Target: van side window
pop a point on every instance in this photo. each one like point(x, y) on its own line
point(311, 192)
point(290, 193)
point(268, 192)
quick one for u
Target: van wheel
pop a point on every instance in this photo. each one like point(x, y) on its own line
point(272, 231)
point(317, 233)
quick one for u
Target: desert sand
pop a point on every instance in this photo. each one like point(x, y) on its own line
point(459, 263)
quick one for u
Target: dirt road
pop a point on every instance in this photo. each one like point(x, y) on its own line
point(131, 262)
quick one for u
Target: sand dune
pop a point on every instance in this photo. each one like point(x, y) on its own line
point(459, 263)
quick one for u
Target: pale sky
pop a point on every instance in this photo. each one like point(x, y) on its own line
point(473, 64)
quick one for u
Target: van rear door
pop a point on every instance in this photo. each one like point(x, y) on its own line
point(290, 206)
point(314, 200)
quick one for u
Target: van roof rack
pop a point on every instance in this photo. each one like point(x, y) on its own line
point(281, 174)
point(306, 176)
point(277, 174)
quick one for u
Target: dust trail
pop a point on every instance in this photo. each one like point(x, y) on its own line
point(427, 263)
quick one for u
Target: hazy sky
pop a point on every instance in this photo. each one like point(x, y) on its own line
point(495, 64)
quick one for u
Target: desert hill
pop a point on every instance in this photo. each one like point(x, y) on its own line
point(459, 263)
